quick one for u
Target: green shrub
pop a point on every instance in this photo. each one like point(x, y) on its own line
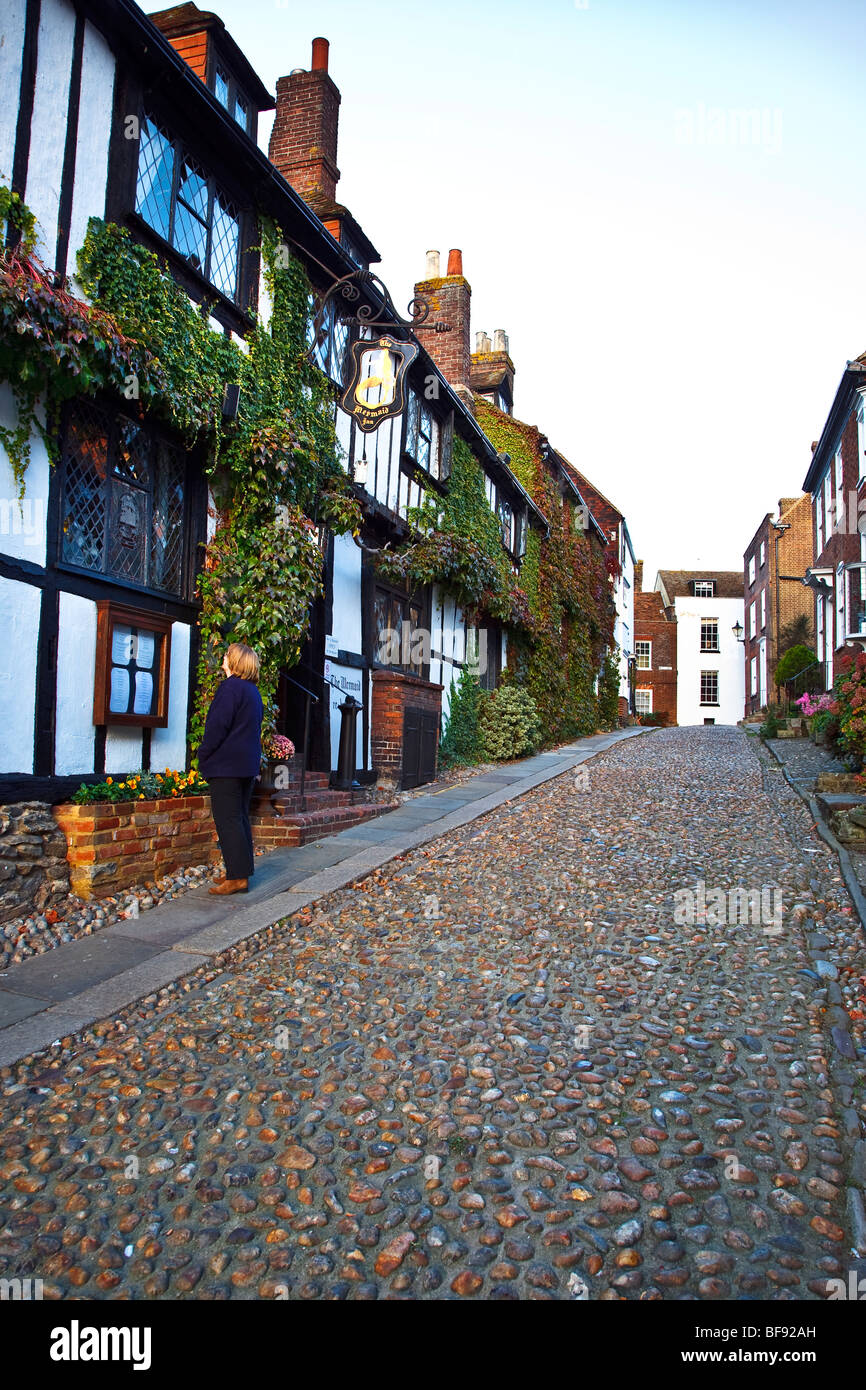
point(608, 692)
point(770, 726)
point(794, 660)
point(509, 724)
point(461, 740)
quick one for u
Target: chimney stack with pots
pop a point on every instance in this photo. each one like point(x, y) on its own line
point(449, 297)
point(303, 145)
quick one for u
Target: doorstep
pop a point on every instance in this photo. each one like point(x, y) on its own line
point(73, 986)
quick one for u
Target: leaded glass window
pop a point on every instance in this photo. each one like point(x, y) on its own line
point(123, 507)
point(331, 342)
point(175, 197)
point(422, 434)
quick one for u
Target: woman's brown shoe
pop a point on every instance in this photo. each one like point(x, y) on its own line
point(230, 885)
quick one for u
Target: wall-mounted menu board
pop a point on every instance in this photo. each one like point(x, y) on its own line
point(133, 650)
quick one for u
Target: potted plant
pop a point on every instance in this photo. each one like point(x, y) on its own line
point(277, 753)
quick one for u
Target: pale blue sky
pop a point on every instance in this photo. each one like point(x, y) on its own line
point(681, 289)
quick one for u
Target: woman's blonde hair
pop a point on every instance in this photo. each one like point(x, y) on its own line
point(243, 661)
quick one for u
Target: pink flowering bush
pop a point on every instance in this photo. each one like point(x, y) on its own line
point(812, 704)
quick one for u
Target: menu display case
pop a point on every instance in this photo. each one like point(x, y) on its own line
point(133, 652)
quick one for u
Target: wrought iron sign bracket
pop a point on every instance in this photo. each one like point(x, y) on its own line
point(351, 288)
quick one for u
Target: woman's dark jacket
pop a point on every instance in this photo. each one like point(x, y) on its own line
point(232, 743)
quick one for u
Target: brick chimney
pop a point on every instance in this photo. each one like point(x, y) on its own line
point(492, 370)
point(449, 297)
point(638, 576)
point(303, 145)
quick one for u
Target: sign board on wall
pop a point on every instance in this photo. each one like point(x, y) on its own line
point(347, 680)
point(332, 646)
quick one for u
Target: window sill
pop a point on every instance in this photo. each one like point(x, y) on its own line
point(709, 704)
point(167, 595)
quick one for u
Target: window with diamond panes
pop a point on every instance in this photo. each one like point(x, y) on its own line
point(123, 506)
point(175, 197)
point(422, 435)
point(330, 342)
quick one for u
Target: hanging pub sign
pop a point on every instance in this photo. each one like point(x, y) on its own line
point(375, 390)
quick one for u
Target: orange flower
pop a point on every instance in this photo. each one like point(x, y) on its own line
point(108, 781)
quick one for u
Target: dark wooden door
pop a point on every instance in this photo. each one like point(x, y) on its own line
point(420, 738)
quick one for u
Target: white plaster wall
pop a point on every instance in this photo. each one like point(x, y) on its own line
point(625, 620)
point(22, 527)
point(48, 130)
point(122, 750)
point(19, 624)
point(691, 660)
point(168, 746)
point(350, 681)
point(94, 133)
point(344, 432)
point(346, 620)
point(76, 663)
point(11, 49)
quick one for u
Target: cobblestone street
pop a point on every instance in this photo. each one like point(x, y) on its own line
point(497, 1068)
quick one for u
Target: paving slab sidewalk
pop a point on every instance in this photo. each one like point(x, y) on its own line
point(75, 985)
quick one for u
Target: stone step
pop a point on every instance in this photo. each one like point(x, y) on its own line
point(317, 799)
point(299, 828)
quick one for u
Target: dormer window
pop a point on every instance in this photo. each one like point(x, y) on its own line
point(704, 588)
point(183, 205)
point(230, 95)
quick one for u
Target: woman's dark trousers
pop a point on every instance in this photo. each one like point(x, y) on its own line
point(230, 806)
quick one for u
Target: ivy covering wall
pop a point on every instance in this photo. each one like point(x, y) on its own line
point(274, 469)
point(566, 582)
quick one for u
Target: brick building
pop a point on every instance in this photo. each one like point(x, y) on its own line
point(775, 597)
point(655, 642)
point(836, 483)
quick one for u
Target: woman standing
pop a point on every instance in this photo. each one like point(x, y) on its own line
point(230, 758)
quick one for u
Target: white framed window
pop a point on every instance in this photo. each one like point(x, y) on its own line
point(819, 629)
point(751, 569)
point(643, 656)
point(709, 687)
point(643, 701)
point(753, 675)
point(819, 523)
point(861, 437)
point(839, 469)
point(705, 588)
point(763, 609)
point(762, 555)
point(841, 624)
point(753, 624)
point(709, 634)
point(828, 506)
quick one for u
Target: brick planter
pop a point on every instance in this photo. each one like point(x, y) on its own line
point(116, 845)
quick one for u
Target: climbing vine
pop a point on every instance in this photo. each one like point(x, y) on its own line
point(566, 582)
point(459, 546)
point(275, 469)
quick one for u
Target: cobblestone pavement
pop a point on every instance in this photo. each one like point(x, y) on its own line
point(497, 1068)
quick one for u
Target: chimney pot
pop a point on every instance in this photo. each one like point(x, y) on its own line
point(432, 265)
point(500, 340)
point(455, 262)
point(320, 55)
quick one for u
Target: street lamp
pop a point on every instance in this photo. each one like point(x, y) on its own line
point(737, 630)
